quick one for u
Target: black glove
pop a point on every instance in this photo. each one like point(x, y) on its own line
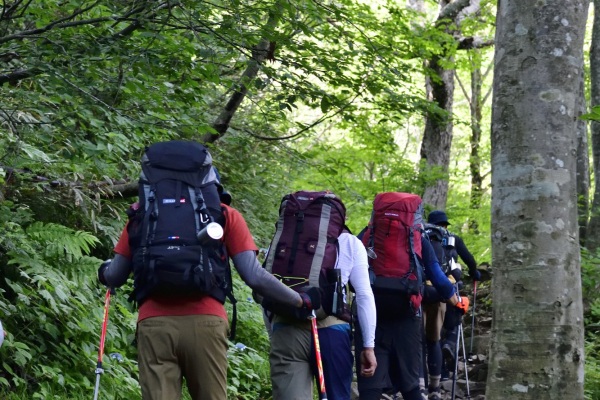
point(103, 267)
point(475, 275)
point(311, 298)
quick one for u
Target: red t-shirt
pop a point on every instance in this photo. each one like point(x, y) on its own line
point(237, 238)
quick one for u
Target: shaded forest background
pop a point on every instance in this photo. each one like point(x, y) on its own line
point(355, 97)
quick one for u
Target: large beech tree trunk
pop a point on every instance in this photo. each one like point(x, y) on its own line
point(537, 331)
point(592, 241)
point(583, 167)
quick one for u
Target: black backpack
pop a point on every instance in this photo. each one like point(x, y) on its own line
point(178, 198)
point(442, 242)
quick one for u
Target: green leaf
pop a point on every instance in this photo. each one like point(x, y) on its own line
point(325, 104)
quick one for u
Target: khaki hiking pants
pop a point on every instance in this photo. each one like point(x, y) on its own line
point(434, 320)
point(193, 347)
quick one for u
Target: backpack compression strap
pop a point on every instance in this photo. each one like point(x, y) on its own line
point(411, 243)
point(297, 232)
point(271, 253)
point(150, 214)
point(315, 268)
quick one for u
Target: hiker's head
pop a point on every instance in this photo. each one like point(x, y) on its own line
point(438, 217)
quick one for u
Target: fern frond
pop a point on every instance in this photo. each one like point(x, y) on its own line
point(59, 241)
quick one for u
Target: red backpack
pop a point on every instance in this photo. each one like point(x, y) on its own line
point(393, 242)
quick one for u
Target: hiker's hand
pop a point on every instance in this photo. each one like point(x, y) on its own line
point(475, 275)
point(311, 298)
point(456, 274)
point(463, 304)
point(103, 267)
point(453, 300)
point(368, 362)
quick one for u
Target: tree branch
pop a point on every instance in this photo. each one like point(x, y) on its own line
point(473, 42)
point(451, 11)
point(61, 23)
point(259, 54)
point(18, 75)
point(108, 189)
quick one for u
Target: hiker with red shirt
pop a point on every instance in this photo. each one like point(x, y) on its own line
point(183, 334)
point(187, 335)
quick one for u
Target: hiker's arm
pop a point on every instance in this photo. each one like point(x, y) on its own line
point(263, 282)
point(436, 275)
point(467, 257)
point(359, 278)
point(118, 271)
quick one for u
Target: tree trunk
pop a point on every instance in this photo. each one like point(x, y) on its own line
point(592, 241)
point(476, 104)
point(583, 167)
point(437, 138)
point(417, 5)
point(537, 331)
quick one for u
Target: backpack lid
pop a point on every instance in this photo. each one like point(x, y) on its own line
point(400, 201)
point(177, 155)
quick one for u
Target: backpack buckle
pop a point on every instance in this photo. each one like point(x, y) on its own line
point(204, 218)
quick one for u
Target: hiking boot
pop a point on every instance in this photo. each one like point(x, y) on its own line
point(435, 394)
point(423, 393)
point(448, 354)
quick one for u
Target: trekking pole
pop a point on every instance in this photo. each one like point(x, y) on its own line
point(460, 345)
point(455, 373)
point(424, 352)
point(462, 336)
point(99, 370)
point(473, 317)
point(315, 333)
point(456, 354)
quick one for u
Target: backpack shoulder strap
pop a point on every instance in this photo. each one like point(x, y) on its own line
point(229, 289)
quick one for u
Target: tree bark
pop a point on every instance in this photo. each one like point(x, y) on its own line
point(437, 137)
point(537, 330)
point(583, 167)
point(476, 105)
point(592, 241)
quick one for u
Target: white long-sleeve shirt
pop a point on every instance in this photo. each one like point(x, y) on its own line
point(354, 266)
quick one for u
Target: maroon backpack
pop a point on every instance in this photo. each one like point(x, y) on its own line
point(305, 245)
point(393, 242)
